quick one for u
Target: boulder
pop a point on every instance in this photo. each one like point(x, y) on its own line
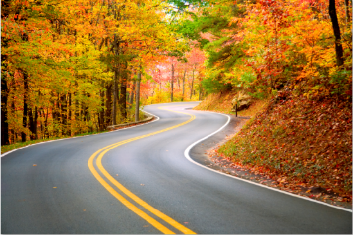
point(242, 100)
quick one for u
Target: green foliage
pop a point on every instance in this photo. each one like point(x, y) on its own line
point(182, 5)
point(188, 28)
point(213, 24)
point(341, 81)
point(212, 85)
point(247, 79)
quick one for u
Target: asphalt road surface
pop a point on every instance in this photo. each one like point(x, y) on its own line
point(137, 180)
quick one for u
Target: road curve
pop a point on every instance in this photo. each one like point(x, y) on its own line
point(143, 183)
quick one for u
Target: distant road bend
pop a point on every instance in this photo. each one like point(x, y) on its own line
point(137, 180)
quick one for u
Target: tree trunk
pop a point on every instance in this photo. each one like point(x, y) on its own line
point(57, 116)
point(46, 131)
point(30, 123)
point(192, 83)
point(132, 93)
point(41, 129)
point(34, 124)
point(108, 106)
point(82, 113)
point(348, 17)
point(4, 94)
point(25, 105)
point(70, 115)
point(85, 110)
point(63, 114)
point(122, 100)
point(13, 133)
point(336, 32)
point(184, 85)
point(5, 11)
point(77, 114)
point(116, 76)
point(171, 83)
point(137, 110)
point(115, 91)
point(200, 91)
point(101, 113)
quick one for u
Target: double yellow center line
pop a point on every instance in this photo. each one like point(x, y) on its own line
point(123, 199)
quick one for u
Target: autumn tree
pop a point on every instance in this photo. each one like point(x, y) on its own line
point(63, 63)
point(336, 32)
point(264, 46)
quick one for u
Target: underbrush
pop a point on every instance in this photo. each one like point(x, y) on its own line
point(299, 140)
point(20, 144)
point(164, 97)
point(6, 148)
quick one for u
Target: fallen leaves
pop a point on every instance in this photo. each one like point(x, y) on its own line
point(287, 142)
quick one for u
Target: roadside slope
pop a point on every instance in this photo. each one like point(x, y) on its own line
point(303, 145)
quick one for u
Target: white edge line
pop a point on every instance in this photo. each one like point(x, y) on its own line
point(186, 154)
point(4, 154)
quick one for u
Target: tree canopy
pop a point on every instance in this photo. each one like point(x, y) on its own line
point(70, 67)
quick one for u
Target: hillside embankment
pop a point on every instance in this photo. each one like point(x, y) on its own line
point(294, 140)
point(222, 102)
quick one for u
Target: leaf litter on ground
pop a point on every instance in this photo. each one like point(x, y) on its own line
point(300, 145)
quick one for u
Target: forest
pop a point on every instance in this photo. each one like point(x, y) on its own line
point(70, 67)
point(75, 67)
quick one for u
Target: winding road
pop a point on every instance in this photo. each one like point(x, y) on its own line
point(141, 180)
